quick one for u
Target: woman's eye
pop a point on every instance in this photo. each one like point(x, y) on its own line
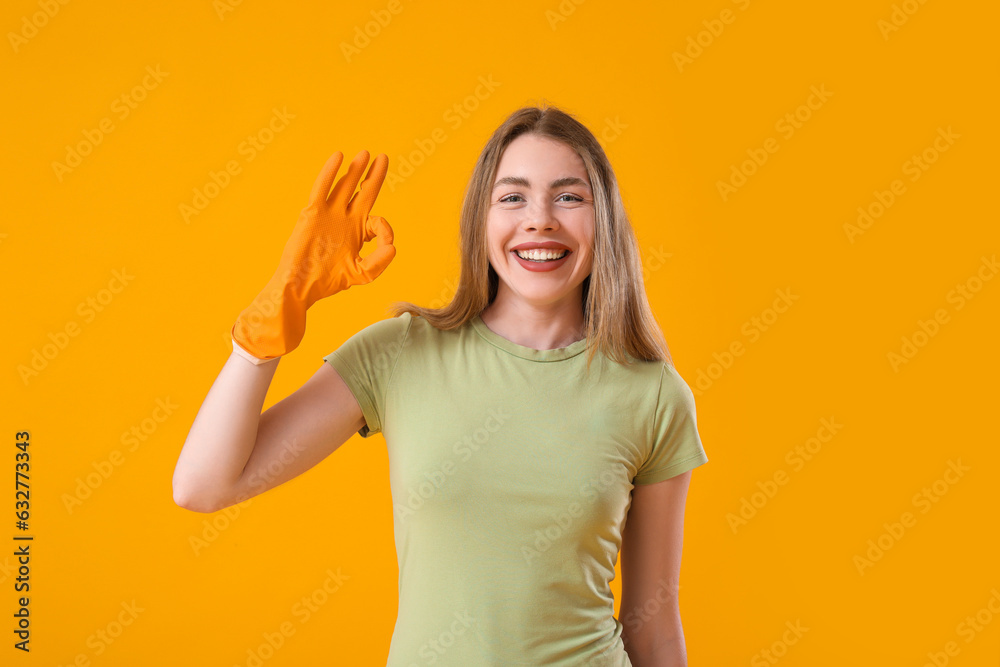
point(513, 198)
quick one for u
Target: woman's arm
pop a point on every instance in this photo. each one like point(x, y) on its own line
point(233, 452)
point(651, 563)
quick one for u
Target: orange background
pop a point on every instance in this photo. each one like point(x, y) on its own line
point(673, 129)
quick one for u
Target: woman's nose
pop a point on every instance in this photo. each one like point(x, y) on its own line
point(539, 216)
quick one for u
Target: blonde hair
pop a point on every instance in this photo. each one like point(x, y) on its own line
point(617, 316)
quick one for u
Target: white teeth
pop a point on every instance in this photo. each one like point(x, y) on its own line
point(540, 254)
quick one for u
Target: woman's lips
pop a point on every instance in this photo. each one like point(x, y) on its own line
point(550, 265)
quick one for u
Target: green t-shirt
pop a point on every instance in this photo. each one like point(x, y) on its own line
point(511, 474)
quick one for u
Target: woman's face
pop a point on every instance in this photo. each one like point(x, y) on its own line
point(541, 196)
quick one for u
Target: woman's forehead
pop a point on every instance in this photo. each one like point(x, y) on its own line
point(539, 159)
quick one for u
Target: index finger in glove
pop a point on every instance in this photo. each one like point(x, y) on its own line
point(321, 188)
point(377, 226)
point(344, 188)
point(375, 263)
point(363, 201)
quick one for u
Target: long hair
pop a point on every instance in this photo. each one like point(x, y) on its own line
point(617, 316)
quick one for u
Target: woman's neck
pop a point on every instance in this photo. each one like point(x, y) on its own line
point(538, 327)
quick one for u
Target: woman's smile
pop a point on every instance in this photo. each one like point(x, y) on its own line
point(541, 220)
point(541, 260)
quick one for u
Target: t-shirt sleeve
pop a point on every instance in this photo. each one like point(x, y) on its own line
point(676, 445)
point(366, 362)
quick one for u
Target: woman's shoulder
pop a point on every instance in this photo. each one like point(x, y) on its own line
point(396, 325)
point(673, 386)
point(656, 375)
point(406, 326)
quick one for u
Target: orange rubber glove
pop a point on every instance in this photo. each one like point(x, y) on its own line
point(320, 258)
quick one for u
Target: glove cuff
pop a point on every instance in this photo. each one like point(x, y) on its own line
point(271, 326)
point(256, 361)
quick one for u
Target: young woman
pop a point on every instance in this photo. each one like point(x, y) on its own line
point(515, 458)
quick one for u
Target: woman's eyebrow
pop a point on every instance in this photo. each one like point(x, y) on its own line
point(523, 182)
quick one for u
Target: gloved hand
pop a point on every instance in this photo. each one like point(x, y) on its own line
point(320, 258)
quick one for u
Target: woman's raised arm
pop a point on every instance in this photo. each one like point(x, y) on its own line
point(232, 451)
